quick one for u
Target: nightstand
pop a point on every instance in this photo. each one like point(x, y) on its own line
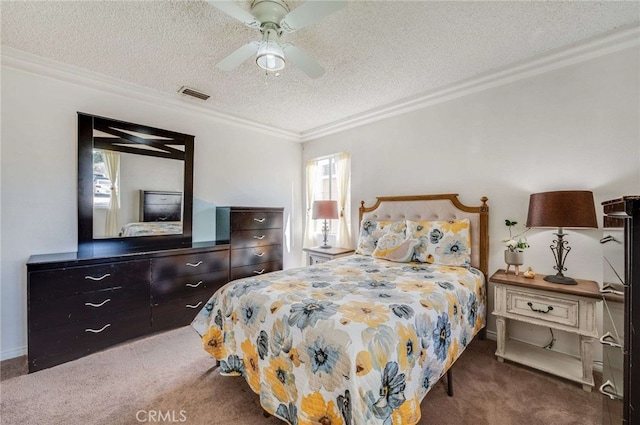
point(569, 308)
point(321, 255)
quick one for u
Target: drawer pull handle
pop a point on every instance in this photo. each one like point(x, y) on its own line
point(608, 339)
point(98, 305)
point(194, 265)
point(162, 218)
point(98, 278)
point(607, 288)
point(605, 387)
point(259, 237)
point(549, 308)
point(259, 255)
point(194, 285)
point(259, 220)
point(99, 330)
point(163, 198)
point(608, 238)
point(194, 306)
point(258, 271)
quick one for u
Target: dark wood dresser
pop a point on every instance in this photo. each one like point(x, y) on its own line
point(255, 236)
point(81, 304)
point(621, 296)
point(160, 205)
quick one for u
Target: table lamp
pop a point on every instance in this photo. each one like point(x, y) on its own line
point(326, 210)
point(565, 208)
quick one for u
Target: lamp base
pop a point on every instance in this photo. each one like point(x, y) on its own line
point(325, 246)
point(563, 280)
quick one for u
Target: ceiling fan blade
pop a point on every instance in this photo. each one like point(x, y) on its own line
point(308, 13)
point(234, 60)
point(232, 9)
point(300, 59)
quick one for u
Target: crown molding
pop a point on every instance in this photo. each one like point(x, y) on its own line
point(624, 38)
point(18, 59)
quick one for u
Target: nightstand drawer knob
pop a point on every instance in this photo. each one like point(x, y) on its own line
point(549, 308)
point(608, 339)
point(608, 389)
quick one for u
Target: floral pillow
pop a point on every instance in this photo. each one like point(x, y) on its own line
point(442, 242)
point(394, 247)
point(371, 231)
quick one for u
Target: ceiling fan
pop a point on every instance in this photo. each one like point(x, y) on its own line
point(272, 18)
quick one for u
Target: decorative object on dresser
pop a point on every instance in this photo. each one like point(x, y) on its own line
point(255, 237)
point(620, 289)
point(325, 210)
point(565, 208)
point(78, 305)
point(566, 308)
point(320, 255)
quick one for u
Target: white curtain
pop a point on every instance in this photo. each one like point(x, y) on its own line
point(343, 167)
point(112, 165)
point(309, 235)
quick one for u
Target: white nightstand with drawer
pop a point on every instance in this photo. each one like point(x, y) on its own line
point(320, 255)
point(570, 308)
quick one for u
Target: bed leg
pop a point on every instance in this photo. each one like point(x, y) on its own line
point(483, 334)
point(449, 383)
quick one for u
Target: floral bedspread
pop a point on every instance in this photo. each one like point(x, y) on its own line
point(151, 228)
point(356, 340)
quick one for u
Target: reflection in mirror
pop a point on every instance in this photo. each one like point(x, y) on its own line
point(160, 179)
point(134, 185)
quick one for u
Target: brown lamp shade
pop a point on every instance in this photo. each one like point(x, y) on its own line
point(564, 208)
point(327, 210)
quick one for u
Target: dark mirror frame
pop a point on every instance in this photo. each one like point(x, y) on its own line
point(89, 246)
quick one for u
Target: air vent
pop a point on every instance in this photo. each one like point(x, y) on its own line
point(187, 91)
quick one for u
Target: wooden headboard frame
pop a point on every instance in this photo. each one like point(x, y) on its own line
point(437, 207)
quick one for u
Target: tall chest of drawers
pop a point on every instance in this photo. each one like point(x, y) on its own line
point(78, 305)
point(621, 315)
point(255, 238)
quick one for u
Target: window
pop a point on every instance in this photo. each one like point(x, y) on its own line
point(101, 181)
point(328, 177)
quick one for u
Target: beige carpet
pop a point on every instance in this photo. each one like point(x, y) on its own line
point(171, 374)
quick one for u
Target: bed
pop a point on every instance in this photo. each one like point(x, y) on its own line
point(359, 339)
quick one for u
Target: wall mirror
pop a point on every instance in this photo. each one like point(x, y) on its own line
point(135, 186)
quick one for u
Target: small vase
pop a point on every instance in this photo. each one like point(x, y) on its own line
point(514, 258)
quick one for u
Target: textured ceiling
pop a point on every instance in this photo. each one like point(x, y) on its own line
point(375, 52)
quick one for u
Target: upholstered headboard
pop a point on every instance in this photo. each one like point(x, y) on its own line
point(437, 207)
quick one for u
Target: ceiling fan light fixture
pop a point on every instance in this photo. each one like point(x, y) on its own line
point(270, 55)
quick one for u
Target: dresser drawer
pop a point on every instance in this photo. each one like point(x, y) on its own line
point(162, 198)
point(251, 238)
point(47, 313)
point(162, 213)
point(189, 264)
point(257, 255)
point(542, 308)
point(80, 338)
point(179, 312)
point(255, 220)
point(254, 270)
point(60, 283)
point(168, 290)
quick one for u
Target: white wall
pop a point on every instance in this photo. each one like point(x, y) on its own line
point(233, 166)
point(573, 128)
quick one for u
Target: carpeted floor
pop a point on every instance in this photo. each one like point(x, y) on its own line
point(168, 378)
